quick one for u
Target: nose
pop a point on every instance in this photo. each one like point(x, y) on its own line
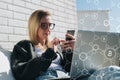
point(48, 29)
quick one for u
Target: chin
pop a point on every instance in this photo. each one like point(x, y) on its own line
point(46, 37)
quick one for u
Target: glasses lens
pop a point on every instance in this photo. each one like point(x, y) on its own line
point(51, 26)
point(44, 26)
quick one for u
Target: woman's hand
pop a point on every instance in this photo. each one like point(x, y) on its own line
point(69, 43)
point(53, 44)
point(69, 37)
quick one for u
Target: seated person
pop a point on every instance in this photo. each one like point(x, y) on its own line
point(38, 58)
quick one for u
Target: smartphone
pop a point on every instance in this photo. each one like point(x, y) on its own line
point(69, 32)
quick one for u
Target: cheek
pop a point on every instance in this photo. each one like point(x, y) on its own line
point(49, 32)
point(39, 33)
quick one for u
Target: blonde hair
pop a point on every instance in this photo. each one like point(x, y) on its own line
point(34, 23)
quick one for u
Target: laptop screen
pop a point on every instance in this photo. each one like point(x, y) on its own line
point(94, 50)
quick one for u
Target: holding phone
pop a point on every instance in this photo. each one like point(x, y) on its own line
point(69, 38)
point(69, 32)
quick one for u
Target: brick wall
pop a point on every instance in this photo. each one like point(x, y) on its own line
point(14, 16)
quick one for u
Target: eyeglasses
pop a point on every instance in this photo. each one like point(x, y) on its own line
point(45, 26)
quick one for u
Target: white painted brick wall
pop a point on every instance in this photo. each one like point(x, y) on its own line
point(5, 13)
point(3, 5)
point(3, 20)
point(6, 30)
point(19, 16)
point(14, 16)
point(3, 37)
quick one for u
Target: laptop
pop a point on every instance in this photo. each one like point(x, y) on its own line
point(94, 50)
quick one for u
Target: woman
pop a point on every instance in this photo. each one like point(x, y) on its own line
point(38, 58)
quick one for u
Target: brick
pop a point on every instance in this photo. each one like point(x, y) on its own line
point(6, 13)
point(58, 13)
point(62, 9)
point(19, 2)
point(36, 1)
point(60, 24)
point(3, 37)
point(61, 18)
point(59, 3)
point(6, 29)
point(17, 23)
point(20, 31)
point(27, 0)
point(3, 5)
point(34, 6)
point(49, 6)
point(7, 45)
point(69, 11)
point(54, 17)
point(16, 38)
point(19, 9)
point(8, 1)
point(3, 21)
point(19, 16)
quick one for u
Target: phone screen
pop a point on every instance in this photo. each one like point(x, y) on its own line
point(70, 32)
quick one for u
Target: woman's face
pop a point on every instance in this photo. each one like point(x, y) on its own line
point(44, 30)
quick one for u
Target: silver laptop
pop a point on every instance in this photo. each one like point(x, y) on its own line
point(93, 51)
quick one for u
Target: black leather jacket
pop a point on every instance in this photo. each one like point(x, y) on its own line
point(26, 65)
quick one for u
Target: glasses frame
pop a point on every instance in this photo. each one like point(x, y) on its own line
point(45, 26)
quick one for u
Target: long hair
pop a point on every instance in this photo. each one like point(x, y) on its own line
point(33, 25)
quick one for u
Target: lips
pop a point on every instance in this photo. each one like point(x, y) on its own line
point(47, 34)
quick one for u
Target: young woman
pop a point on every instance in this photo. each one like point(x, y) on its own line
point(39, 58)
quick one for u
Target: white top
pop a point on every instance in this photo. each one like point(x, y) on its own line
point(55, 65)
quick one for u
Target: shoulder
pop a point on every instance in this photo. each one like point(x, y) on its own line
point(26, 44)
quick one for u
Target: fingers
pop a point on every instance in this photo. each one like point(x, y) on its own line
point(55, 41)
point(67, 44)
point(64, 44)
point(70, 36)
point(53, 44)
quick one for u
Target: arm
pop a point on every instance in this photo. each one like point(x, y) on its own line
point(27, 67)
point(67, 61)
point(68, 47)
